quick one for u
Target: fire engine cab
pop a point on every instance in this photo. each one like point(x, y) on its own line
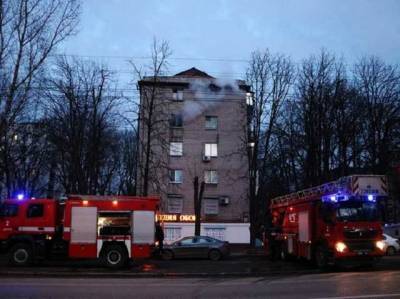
point(332, 223)
point(110, 228)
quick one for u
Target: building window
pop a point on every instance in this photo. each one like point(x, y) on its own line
point(175, 205)
point(211, 150)
point(177, 95)
point(176, 120)
point(211, 177)
point(211, 122)
point(172, 233)
point(175, 148)
point(215, 232)
point(175, 176)
point(211, 206)
point(249, 99)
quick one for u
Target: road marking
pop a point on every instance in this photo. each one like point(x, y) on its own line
point(333, 277)
point(364, 296)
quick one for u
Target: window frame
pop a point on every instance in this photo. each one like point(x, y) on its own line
point(207, 122)
point(177, 95)
point(175, 152)
point(170, 198)
point(173, 233)
point(216, 204)
point(211, 151)
point(174, 174)
point(215, 232)
point(211, 182)
point(176, 120)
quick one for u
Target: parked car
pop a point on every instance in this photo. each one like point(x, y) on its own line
point(196, 247)
point(392, 245)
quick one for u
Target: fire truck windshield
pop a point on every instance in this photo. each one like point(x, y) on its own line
point(8, 210)
point(356, 211)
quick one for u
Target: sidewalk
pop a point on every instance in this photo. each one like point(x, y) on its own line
point(238, 265)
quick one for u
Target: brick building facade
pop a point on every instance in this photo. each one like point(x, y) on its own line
point(198, 127)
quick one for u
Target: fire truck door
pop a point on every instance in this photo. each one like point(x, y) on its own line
point(304, 228)
point(143, 227)
point(84, 225)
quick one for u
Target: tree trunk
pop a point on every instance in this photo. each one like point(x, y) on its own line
point(197, 197)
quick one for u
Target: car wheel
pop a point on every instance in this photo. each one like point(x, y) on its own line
point(115, 256)
point(20, 255)
point(214, 255)
point(167, 255)
point(390, 250)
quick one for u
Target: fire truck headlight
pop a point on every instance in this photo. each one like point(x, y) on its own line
point(340, 247)
point(157, 243)
point(380, 245)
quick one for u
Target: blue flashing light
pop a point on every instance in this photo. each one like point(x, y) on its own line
point(342, 198)
point(334, 198)
point(371, 197)
point(330, 198)
point(20, 196)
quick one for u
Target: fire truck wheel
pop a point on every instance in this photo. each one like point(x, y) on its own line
point(20, 254)
point(321, 257)
point(214, 255)
point(115, 256)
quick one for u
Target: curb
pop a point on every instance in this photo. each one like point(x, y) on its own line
point(70, 274)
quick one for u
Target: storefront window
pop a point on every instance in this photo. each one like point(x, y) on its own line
point(217, 233)
point(172, 233)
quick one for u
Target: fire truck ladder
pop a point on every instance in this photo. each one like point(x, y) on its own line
point(305, 195)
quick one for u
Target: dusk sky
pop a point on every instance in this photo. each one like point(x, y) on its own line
point(202, 31)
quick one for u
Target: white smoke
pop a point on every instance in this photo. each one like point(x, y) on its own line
point(208, 93)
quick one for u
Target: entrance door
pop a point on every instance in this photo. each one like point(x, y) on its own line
point(84, 225)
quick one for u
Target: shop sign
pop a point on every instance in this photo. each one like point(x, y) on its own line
point(176, 218)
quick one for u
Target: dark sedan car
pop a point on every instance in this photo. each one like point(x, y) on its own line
point(196, 247)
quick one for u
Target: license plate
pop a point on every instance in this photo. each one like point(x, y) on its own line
point(362, 252)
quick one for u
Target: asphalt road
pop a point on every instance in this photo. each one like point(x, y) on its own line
point(382, 284)
point(239, 266)
point(233, 267)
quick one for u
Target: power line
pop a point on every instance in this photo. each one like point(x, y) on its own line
point(149, 58)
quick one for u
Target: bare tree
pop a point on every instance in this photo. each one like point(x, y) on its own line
point(270, 77)
point(30, 30)
point(152, 119)
point(127, 169)
point(379, 87)
point(82, 126)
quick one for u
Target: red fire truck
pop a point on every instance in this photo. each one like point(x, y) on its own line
point(330, 224)
point(110, 228)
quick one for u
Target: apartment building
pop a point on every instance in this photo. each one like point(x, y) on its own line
point(192, 124)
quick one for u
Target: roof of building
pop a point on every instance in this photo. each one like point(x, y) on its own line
point(193, 72)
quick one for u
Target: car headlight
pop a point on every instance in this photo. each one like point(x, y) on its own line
point(340, 247)
point(380, 245)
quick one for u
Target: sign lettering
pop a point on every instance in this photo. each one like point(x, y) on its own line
point(176, 218)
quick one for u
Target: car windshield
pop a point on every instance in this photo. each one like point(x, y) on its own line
point(357, 211)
